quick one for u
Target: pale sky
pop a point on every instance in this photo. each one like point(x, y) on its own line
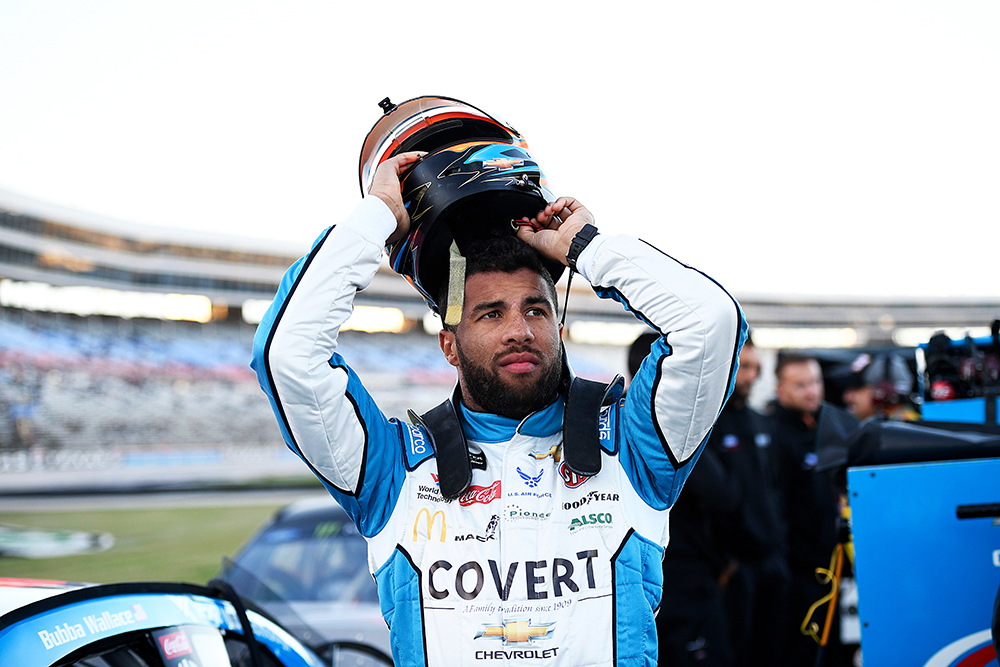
point(784, 147)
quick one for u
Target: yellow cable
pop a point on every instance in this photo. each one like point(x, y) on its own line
point(825, 576)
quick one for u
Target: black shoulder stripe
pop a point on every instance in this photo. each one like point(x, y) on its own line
point(267, 356)
point(739, 318)
point(656, 381)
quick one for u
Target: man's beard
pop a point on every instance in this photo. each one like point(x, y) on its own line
point(487, 390)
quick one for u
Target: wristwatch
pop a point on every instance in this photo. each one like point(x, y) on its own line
point(579, 242)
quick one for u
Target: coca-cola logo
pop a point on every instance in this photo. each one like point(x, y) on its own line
point(174, 644)
point(480, 494)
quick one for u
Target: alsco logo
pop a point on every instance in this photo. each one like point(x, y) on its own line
point(517, 632)
point(480, 494)
point(429, 521)
point(597, 519)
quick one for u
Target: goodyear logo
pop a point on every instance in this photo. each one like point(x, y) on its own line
point(430, 520)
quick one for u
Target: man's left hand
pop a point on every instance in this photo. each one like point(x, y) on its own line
point(553, 229)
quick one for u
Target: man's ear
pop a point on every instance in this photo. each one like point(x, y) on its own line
point(446, 339)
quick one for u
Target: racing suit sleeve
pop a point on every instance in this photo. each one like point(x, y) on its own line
point(681, 387)
point(326, 415)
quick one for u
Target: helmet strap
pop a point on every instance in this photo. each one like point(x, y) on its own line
point(456, 286)
point(569, 283)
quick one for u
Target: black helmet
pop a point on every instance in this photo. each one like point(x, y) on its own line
point(476, 178)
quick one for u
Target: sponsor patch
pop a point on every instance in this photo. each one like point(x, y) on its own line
point(480, 494)
point(530, 481)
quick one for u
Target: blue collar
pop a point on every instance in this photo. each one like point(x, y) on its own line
point(491, 428)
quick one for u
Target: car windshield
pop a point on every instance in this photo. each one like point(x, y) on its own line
point(309, 561)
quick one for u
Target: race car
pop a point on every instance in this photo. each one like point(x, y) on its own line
point(66, 624)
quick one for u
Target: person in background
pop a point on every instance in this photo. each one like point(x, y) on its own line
point(880, 385)
point(755, 533)
point(691, 626)
point(811, 504)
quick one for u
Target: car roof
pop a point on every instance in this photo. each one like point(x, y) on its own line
point(16, 593)
point(312, 509)
point(117, 609)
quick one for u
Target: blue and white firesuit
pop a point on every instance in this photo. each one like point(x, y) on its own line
point(533, 564)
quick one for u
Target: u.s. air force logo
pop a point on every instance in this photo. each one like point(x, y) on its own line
point(517, 632)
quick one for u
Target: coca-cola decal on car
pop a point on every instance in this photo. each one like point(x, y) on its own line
point(174, 644)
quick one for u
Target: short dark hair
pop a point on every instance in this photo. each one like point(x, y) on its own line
point(790, 359)
point(502, 254)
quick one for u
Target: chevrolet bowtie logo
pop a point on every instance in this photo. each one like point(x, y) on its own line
point(503, 164)
point(516, 632)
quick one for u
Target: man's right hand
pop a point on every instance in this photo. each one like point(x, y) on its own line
point(385, 186)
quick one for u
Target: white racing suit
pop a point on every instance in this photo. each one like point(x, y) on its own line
point(533, 564)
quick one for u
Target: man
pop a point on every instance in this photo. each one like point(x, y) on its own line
point(692, 628)
point(534, 561)
point(756, 595)
point(811, 499)
point(880, 386)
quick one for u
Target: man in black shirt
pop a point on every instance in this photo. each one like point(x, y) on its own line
point(757, 592)
point(811, 504)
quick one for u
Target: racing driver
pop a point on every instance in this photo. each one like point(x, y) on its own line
point(534, 563)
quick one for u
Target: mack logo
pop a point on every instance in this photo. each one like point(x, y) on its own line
point(491, 529)
point(470, 578)
point(480, 494)
point(429, 522)
point(517, 632)
point(600, 518)
point(532, 482)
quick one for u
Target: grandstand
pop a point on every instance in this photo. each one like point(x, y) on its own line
point(143, 377)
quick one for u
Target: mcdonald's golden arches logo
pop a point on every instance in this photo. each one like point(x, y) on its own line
point(429, 521)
